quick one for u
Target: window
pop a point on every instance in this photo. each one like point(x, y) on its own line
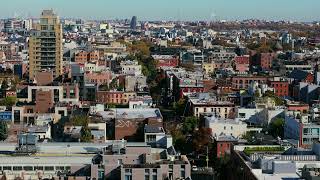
point(59, 168)
point(49, 168)
point(231, 128)
point(7, 168)
point(154, 170)
point(28, 168)
point(182, 173)
point(224, 128)
point(147, 177)
point(128, 177)
point(128, 174)
point(119, 161)
point(154, 177)
point(17, 168)
point(151, 138)
point(242, 115)
point(38, 168)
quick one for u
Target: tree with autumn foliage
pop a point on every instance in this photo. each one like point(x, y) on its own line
point(202, 139)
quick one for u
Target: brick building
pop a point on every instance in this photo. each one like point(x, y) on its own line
point(44, 101)
point(242, 63)
point(81, 57)
point(243, 82)
point(281, 88)
point(98, 78)
point(223, 145)
point(166, 60)
point(115, 97)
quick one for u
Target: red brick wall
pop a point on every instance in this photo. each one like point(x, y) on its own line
point(281, 88)
point(222, 148)
point(44, 101)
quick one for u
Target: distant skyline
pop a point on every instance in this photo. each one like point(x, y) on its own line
point(296, 10)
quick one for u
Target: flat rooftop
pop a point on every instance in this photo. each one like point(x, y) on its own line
point(127, 113)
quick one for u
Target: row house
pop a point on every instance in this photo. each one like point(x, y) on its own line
point(243, 82)
point(83, 57)
point(166, 60)
point(115, 97)
point(281, 88)
point(204, 103)
point(98, 78)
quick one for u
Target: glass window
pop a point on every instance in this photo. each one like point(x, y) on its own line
point(49, 168)
point(147, 177)
point(28, 168)
point(154, 177)
point(128, 177)
point(38, 168)
point(7, 168)
point(17, 168)
point(59, 168)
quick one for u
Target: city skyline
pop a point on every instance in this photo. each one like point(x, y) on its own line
point(178, 10)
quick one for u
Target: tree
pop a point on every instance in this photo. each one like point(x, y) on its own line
point(86, 135)
point(190, 124)
point(278, 101)
point(180, 140)
point(79, 120)
point(4, 87)
point(202, 139)
point(8, 101)
point(3, 131)
point(249, 136)
point(180, 106)
point(276, 127)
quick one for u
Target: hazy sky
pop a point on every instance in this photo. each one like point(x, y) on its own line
point(301, 10)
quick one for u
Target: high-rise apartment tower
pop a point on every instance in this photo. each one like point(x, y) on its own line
point(45, 45)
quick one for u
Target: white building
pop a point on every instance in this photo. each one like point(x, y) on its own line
point(140, 102)
point(220, 126)
point(131, 68)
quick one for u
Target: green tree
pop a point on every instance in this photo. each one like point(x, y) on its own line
point(8, 101)
point(86, 135)
point(4, 87)
point(180, 106)
point(249, 136)
point(180, 141)
point(190, 124)
point(3, 131)
point(278, 101)
point(79, 120)
point(276, 127)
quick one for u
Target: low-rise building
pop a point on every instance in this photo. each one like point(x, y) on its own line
point(131, 68)
point(202, 103)
point(229, 127)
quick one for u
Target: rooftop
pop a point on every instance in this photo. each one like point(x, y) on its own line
point(127, 113)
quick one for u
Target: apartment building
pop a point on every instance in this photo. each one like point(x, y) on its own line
point(45, 45)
